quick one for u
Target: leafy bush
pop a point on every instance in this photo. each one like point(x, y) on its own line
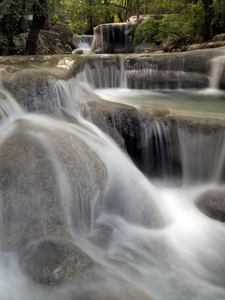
point(165, 6)
point(218, 20)
point(148, 31)
point(182, 28)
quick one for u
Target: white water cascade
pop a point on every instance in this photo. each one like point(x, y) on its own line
point(216, 73)
point(64, 180)
point(83, 44)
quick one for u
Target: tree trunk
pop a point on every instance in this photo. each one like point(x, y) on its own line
point(127, 9)
point(22, 24)
point(137, 9)
point(207, 19)
point(89, 17)
point(6, 27)
point(40, 15)
point(223, 15)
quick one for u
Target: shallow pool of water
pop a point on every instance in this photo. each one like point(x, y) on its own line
point(207, 103)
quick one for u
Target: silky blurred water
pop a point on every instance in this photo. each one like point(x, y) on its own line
point(157, 238)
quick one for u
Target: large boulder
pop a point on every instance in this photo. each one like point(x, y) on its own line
point(57, 41)
point(66, 36)
point(212, 204)
point(45, 181)
point(119, 121)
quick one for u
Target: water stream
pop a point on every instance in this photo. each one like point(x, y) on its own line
point(147, 231)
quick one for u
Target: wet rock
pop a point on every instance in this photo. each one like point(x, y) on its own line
point(63, 265)
point(153, 79)
point(106, 285)
point(38, 95)
point(45, 180)
point(212, 204)
point(51, 261)
point(40, 208)
point(193, 61)
point(119, 121)
point(31, 79)
point(122, 123)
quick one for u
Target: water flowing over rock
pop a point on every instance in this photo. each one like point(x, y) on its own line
point(83, 44)
point(32, 158)
point(114, 38)
point(218, 73)
point(78, 219)
point(49, 261)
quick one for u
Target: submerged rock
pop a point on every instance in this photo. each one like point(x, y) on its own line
point(54, 262)
point(51, 261)
point(212, 204)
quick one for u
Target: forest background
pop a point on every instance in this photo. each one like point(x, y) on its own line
point(184, 21)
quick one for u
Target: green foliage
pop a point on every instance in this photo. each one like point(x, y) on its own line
point(165, 6)
point(148, 30)
point(183, 26)
point(82, 15)
point(195, 15)
point(4, 47)
point(170, 7)
point(13, 20)
point(218, 24)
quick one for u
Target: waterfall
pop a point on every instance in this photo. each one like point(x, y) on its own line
point(83, 44)
point(78, 219)
point(171, 152)
point(160, 149)
point(200, 161)
point(112, 72)
point(216, 72)
point(105, 73)
point(145, 74)
point(113, 38)
point(9, 109)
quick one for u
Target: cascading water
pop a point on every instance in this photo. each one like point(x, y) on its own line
point(83, 44)
point(158, 142)
point(216, 72)
point(114, 38)
point(66, 184)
